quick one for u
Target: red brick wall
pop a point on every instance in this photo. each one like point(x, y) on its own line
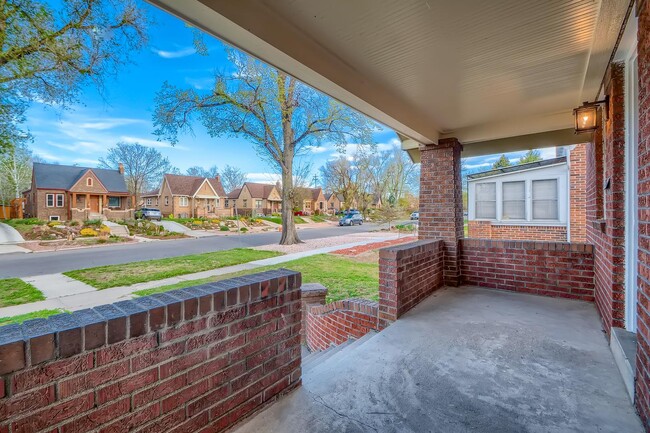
point(180, 361)
point(606, 207)
point(335, 323)
point(578, 193)
point(643, 323)
point(541, 268)
point(487, 230)
point(441, 205)
point(408, 274)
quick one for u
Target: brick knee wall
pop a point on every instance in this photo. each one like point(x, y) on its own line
point(543, 268)
point(200, 357)
point(408, 274)
point(336, 322)
point(487, 230)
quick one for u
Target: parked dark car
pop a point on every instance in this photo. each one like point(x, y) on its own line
point(149, 213)
point(350, 219)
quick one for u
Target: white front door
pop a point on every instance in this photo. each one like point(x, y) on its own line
point(631, 193)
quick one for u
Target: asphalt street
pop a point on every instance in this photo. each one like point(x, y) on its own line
point(27, 265)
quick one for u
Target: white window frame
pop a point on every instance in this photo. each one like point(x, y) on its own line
point(55, 218)
point(183, 201)
point(62, 197)
point(525, 200)
point(557, 200)
point(47, 200)
point(258, 204)
point(149, 201)
point(166, 200)
point(119, 200)
point(496, 201)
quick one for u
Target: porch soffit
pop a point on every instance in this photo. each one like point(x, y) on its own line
point(476, 70)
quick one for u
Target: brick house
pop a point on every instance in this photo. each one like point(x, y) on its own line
point(533, 201)
point(310, 200)
point(189, 197)
point(334, 202)
point(255, 198)
point(64, 193)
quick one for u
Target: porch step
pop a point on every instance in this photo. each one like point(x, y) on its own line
point(334, 354)
point(96, 216)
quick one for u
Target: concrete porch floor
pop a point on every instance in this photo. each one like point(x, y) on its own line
point(467, 360)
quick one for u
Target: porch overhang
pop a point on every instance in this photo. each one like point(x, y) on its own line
point(478, 71)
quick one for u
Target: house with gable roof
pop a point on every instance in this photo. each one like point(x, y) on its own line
point(64, 193)
point(255, 198)
point(189, 197)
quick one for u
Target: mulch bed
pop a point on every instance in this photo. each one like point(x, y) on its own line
point(355, 251)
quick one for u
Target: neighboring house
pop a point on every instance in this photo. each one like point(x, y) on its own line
point(255, 199)
point(149, 199)
point(312, 200)
point(334, 202)
point(543, 200)
point(376, 201)
point(189, 197)
point(63, 193)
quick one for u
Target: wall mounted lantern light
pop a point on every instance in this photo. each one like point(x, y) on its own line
point(586, 116)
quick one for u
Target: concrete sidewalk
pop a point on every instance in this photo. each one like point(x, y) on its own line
point(68, 294)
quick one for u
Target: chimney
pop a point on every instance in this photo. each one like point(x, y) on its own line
point(216, 176)
point(120, 168)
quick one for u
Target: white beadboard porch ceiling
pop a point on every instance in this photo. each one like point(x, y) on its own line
point(478, 70)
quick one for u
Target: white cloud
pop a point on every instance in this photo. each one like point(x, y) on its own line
point(98, 124)
point(183, 52)
point(200, 83)
point(47, 155)
point(263, 177)
point(316, 149)
point(473, 166)
point(152, 143)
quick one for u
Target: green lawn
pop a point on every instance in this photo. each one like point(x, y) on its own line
point(23, 317)
point(104, 277)
point(344, 277)
point(298, 220)
point(14, 291)
point(318, 218)
point(276, 220)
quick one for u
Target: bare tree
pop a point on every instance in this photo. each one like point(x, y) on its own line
point(277, 113)
point(202, 172)
point(232, 178)
point(144, 166)
point(47, 54)
point(340, 177)
point(15, 172)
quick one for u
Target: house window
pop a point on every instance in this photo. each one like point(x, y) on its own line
point(60, 199)
point(115, 201)
point(258, 204)
point(514, 200)
point(49, 200)
point(149, 201)
point(183, 202)
point(545, 199)
point(166, 200)
point(307, 205)
point(245, 202)
point(226, 203)
point(486, 200)
point(89, 181)
point(216, 203)
point(54, 218)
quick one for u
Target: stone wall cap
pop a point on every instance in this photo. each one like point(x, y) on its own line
point(313, 287)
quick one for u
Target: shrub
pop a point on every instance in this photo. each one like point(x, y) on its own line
point(25, 221)
point(74, 223)
point(54, 223)
point(88, 232)
point(197, 222)
point(243, 229)
point(93, 223)
point(104, 229)
point(215, 221)
point(224, 229)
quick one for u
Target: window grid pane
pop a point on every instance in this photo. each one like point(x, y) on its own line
point(545, 199)
point(514, 200)
point(486, 200)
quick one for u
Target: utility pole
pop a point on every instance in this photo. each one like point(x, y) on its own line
point(314, 181)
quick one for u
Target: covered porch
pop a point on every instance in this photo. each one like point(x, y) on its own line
point(466, 359)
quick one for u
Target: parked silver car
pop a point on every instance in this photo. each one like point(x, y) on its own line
point(149, 213)
point(350, 219)
point(415, 216)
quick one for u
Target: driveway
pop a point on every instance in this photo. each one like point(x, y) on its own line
point(174, 227)
point(9, 235)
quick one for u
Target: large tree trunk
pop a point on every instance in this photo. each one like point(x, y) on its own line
point(289, 232)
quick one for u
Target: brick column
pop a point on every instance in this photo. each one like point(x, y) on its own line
point(441, 205)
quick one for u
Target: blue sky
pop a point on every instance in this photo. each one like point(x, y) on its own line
point(82, 134)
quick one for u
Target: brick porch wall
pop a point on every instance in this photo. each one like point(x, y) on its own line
point(487, 230)
point(408, 274)
point(336, 322)
point(606, 207)
point(578, 193)
point(555, 269)
point(203, 356)
point(643, 322)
